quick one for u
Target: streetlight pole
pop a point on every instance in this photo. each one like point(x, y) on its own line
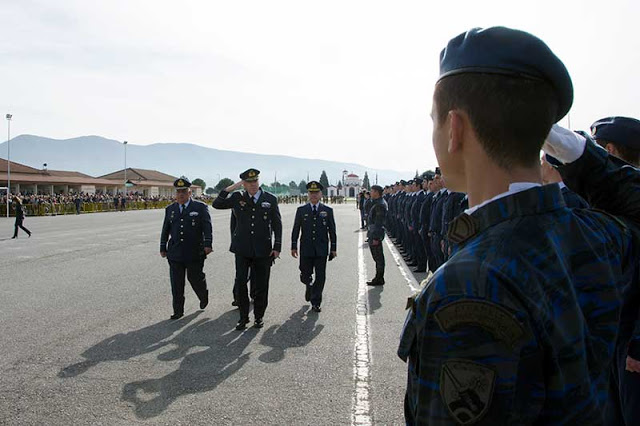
point(125, 167)
point(8, 158)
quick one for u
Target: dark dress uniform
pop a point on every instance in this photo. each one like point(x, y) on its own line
point(252, 243)
point(376, 232)
point(318, 227)
point(185, 234)
point(19, 219)
point(435, 228)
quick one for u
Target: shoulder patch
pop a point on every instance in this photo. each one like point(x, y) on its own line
point(498, 321)
point(466, 388)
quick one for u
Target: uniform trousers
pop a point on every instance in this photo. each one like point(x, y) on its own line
point(309, 265)
point(196, 278)
point(19, 225)
point(378, 257)
point(623, 404)
point(260, 271)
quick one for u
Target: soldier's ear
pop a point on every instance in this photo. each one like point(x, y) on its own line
point(458, 127)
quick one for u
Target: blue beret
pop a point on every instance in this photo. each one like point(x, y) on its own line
point(621, 130)
point(500, 50)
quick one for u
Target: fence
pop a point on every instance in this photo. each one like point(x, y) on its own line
point(54, 209)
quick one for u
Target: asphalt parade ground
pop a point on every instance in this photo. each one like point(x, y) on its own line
point(86, 337)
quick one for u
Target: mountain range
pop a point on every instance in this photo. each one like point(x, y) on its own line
point(96, 156)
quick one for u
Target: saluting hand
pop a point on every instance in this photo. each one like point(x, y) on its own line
point(233, 187)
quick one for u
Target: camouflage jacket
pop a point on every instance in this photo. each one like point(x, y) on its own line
point(519, 326)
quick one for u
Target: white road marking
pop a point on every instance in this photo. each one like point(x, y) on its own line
point(361, 412)
point(402, 266)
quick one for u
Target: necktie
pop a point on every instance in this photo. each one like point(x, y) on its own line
point(181, 208)
point(315, 210)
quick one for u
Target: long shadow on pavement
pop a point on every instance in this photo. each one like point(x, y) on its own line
point(220, 356)
point(297, 331)
point(124, 346)
point(375, 293)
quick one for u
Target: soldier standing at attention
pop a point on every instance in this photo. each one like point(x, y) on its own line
point(375, 234)
point(318, 227)
point(257, 219)
point(519, 326)
point(186, 240)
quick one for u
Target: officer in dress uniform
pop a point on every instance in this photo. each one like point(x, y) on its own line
point(318, 241)
point(258, 221)
point(376, 232)
point(519, 326)
point(185, 241)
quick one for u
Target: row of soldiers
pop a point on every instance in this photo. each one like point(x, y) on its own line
point(419, 213)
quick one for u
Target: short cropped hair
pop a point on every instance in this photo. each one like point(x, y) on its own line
point(511, 116)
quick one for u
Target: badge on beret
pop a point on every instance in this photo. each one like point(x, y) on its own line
point(180, 182)
point(467, 389)
point(252, 174)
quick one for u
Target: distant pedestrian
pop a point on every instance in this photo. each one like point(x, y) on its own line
point(17, 205)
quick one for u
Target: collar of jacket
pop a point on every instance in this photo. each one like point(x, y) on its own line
point(537, 200)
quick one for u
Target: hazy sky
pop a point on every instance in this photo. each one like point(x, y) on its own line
point(338, 80)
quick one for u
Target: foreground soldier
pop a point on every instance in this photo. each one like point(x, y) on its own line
point(318, 227)
point(186, 241)
point(257, 218)
point(519, 326)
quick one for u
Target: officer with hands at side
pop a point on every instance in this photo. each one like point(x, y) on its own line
point(186, 240)
point(318, 226)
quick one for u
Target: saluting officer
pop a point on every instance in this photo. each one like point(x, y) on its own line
point(318, 226)
point(186, 241)
point(257, 219)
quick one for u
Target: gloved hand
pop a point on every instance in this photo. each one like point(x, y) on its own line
point(564, 145)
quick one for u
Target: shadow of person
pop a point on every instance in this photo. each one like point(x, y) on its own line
point(211, 352)
point(127, 345)
point(374, 294)
point(297, 331)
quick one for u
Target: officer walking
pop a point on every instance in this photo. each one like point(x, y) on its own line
point(318, 241)
point(376, 232)
point(257, 220)
point(186, 240)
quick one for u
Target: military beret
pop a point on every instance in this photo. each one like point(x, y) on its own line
point(505, 51)
point(428, 176)
point(182, 183)
point(621, 130)
point(418, 181)
point(250, 175)
point(376, 188)
point(403, 182)
point(314, 186)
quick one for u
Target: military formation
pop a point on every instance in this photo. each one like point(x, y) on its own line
point(531, 310)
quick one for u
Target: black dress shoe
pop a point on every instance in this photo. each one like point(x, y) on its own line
point(316, 309)
point(242, 324)
point(205, 302)
point(176, 316)
point(235, 303)
point(307, 293)
point(258, 323)
point(375, 282)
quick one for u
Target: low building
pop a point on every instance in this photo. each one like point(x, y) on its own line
point(351, 186)
point(151, 183)
point(28, 180)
